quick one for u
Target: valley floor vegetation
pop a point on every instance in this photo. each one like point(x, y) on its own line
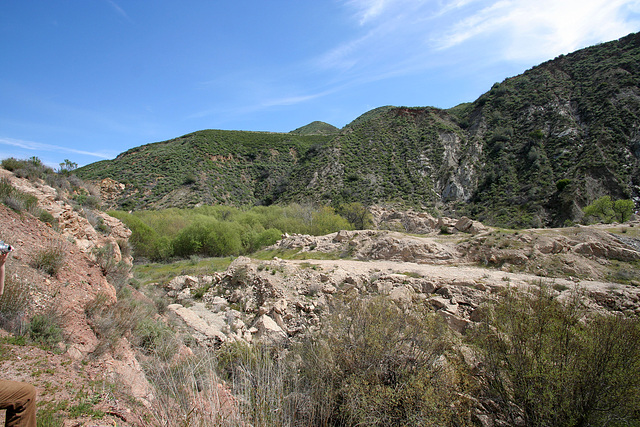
point(216, 231)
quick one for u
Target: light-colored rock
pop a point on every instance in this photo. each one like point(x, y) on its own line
point(180, 282)
point(456, 323)
point(268, 331)
point(463, 224)
point(217, 304)
point(402, 294)
point(207, 324)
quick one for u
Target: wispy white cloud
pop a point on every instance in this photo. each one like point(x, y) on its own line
point(38, 146)
point(119, 10)
point(395, 37)
point(260, 105)
point(368, 9)
point(537, 29)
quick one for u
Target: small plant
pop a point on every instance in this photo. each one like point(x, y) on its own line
point(412, 274)
point(44, 329)
point(50, 259)
point(13, 305)
point(47, 218)
point(116, 272)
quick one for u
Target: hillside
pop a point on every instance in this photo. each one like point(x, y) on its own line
point(205, 167)
point(498, 159)
point(532, 151)
point(316, 128)
point(362, 327)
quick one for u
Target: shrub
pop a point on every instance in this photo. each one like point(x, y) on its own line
point(357, 214)
point(14, 303)
point(11, 164)
point(15, 199)
point(44, 329)
point(189, 393)
point(49, 259)
point(155, 338)
point(325, 221)
point(210, 238)
point(116, 272)
point(46, 217)
point(264, 383)
point(375, 364)
point(111, 321)
point(562, 184)
point(548, 365)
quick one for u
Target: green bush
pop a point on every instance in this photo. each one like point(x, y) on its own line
point(223, 230)
point(375, 364)
point(562, 184)
point(46, 217)
point(11, 164)
point(49, 259)
point(210, 238)
point(551, 364)
point(44, 329)
point(14, 303)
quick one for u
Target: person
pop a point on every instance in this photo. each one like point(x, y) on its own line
point(17, 398)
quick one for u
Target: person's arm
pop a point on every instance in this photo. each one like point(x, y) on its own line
point(3, 258)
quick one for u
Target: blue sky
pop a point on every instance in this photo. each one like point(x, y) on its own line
point(85, 80)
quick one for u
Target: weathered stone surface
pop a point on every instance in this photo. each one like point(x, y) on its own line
point(268, 331)
point(207, 325)
point(402, 294)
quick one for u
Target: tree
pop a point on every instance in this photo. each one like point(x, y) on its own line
point(357, 214)
point(601, 209)
point(68, 166)
point(607, 210)
point(623, 209)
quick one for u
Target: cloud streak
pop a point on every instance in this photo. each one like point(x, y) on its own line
point(119, 10)
point(536, 29)
point(38, 146)
point(392, 35)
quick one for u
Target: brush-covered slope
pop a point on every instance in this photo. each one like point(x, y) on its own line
point(559, 136)
point(388, 154)
point(531, 151)
point(205, 167)
point(316, 128)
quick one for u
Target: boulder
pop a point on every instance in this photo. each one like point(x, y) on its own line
point(402, 294)
point(268, 332)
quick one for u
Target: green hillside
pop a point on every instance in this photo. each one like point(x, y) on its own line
point(205, 167)
point(316, 128)
point(532, 151)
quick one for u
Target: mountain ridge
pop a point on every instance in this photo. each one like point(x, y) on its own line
point(498, 159)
